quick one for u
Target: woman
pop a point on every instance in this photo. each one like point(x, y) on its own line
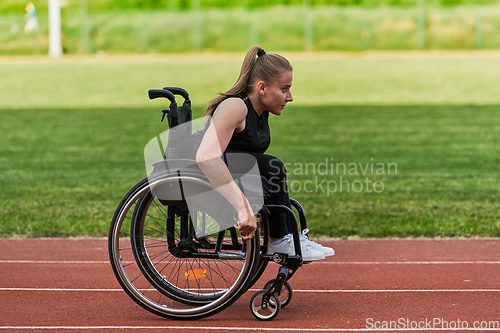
point(239, 123)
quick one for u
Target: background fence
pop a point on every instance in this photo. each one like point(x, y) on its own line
point(281, 28)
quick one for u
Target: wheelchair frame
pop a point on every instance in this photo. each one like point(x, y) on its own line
point(151, 241)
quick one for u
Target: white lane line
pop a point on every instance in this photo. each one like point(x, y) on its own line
point(396, 290)
point(53, 262)
point(295, 291)
point(61, 262)
point(407, 262)
point(60, 289)
point(222, 328)
point(479, 262)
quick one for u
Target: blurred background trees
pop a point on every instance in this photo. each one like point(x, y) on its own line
point(166, 26)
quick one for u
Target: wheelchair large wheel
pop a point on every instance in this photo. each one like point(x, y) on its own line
point(163, 266)
point(262, 264)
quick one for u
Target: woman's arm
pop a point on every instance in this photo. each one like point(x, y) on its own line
point(229, 116)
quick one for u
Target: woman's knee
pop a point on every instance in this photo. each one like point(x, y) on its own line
point(276, 167)
point(277, 176)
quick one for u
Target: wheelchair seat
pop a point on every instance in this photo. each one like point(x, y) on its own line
point(252, 189)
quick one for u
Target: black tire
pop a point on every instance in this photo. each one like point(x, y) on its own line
point(160, 263)
point(286, 293)
point(262, 265)
point(271, 310)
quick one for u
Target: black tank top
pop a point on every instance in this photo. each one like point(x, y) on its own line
point(256, 136)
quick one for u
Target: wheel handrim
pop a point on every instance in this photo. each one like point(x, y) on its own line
point(220, 296)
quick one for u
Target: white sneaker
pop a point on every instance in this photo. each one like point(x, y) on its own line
point(327, 251)
point(285, 245)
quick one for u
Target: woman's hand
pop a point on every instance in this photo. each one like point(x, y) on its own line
point(247, 226)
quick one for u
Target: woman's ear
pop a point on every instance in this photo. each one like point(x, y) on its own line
point(261, 87)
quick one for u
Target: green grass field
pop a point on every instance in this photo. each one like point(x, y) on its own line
point(73, 133)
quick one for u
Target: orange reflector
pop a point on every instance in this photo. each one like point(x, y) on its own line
point(196, 274)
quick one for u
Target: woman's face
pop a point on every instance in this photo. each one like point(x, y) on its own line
point(278, 93)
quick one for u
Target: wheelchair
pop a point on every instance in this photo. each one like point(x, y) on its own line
point(167, 268)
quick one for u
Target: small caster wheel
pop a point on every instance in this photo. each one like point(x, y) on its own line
point(285, 295)
point(263, 310)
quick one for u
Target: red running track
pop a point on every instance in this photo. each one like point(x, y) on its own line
point(61, 285)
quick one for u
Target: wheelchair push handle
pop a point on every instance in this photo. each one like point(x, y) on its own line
point(176, 115)
point(178, 91)
point(159, 93)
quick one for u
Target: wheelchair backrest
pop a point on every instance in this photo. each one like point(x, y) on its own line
point(175, 116)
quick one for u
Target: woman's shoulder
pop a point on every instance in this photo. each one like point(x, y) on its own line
point(233, 110)
point(233, 104)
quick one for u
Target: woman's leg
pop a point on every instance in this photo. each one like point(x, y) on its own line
point(274, 171)
point(280, 225)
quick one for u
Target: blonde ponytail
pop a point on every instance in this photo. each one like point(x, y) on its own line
point(265, 67)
